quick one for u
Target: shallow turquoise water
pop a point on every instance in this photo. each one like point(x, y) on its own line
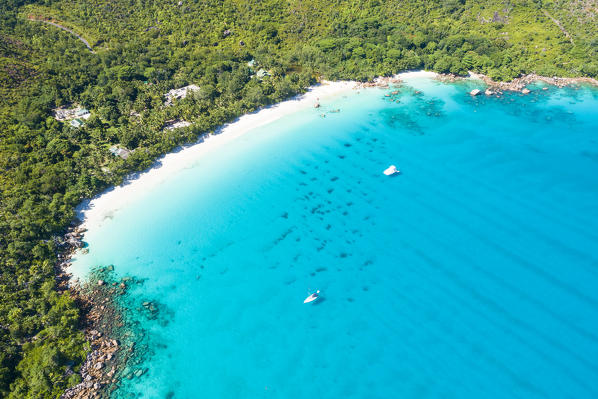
point(473, 274)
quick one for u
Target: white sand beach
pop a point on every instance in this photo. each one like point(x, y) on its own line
point(96, 210)
point(417, 74)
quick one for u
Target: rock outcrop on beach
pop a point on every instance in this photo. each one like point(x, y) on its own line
point(67, 245)
point(382, 82)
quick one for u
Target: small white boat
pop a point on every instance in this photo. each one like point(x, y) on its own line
point(391, 170)
point(312, 297)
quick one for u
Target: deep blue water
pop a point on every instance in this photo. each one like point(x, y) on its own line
point(473, 274)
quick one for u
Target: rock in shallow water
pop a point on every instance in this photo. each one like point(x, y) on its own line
point(140, 372)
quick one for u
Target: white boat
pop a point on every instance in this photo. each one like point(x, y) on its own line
point(391, 170)
point(312, 297)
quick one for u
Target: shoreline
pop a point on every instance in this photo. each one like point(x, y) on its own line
point(118, 346)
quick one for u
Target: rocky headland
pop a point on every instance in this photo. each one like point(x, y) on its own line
point(518, 84)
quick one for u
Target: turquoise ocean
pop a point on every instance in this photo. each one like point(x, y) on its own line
point(472, 274)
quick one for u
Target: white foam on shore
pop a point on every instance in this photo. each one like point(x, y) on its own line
point(93, 212)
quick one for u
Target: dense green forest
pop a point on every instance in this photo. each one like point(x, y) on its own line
point(142, 49)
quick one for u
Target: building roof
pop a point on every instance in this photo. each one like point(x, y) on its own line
point(176, 124)
point(262, 72)
point(81, 112)
point(118, 151)
point(77, 123)
point(177, 94)
point(64, 114)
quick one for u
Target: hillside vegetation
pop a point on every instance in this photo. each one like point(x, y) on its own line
point(142, 49)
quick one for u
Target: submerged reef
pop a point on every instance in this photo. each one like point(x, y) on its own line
point(116, 325)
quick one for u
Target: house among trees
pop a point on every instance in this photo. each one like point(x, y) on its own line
point(176, 124)
point(77, 123)
point(119, 151)
point(178, 94)
point(65, 114)
point(82, 113)
point(262, 73)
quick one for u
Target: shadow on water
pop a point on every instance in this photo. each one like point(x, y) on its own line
point(320, 300)
point(394, 175)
